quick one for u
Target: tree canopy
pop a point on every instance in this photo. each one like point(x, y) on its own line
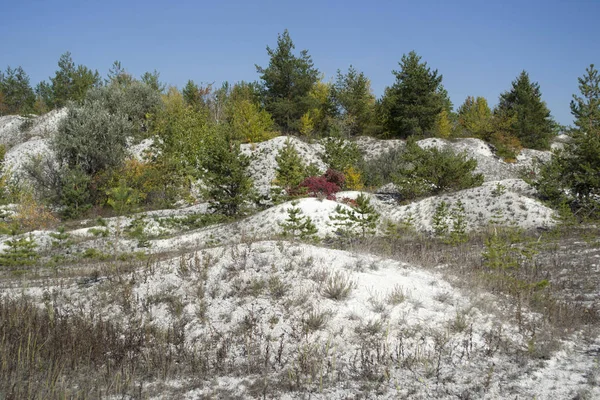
point(287, 82)
point(411, 105)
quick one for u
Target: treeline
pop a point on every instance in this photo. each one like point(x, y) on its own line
point(292, 97)
point(197, 132)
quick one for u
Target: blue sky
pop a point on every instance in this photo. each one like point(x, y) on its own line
point(478, 46)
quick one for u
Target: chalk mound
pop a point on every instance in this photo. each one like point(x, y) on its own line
point(263, 165)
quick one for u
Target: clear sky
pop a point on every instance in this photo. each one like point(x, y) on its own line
point(478, 46)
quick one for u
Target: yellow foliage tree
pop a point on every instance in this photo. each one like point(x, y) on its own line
point(307, 125)
point(443, 126)
point(32, 215)
point(475, 117)
point(251, 123)
point(353, 179)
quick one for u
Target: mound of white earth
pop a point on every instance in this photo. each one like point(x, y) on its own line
point(10, 131)
point(373, 148)
point(47, 125)
point(509, 202)
point(300, 319)
point(263, 164)
point(20, 154)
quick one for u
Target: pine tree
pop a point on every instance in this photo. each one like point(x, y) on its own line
point(228, 184)
point(118, 75)
point(17, 95)
point(411, 105)
point(62, 82)
point(298, 225)
point(458, 233)
point(440, 219)
point(20, 252)
point(287, 83)
point(70, 82)
point(291, 170)
point(191, 94)
point(152, 79)
point(532, 124)
point(363, 217)
point(355, 101)
point(573, 176)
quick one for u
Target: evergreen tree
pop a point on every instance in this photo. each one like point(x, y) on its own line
point(586, 108)
point(532, 123)
point(354, 99)
point(411, 105)
point(17, 95)
point(44, 97)
point(83, 80)
point(62, 82)
point(20, 252)
point(573, 175)
point(291, 170)
point(363, 217)
point(226, 176)
point(70, 82)
point(287, 83)
point(152, 79)
point(118, 75)
point(298, 225)
point(191, 94)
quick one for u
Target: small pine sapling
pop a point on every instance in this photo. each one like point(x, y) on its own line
point(20, 252)
point(362, 217)
point(440, 219)
point(298, 225)
point(458, 233)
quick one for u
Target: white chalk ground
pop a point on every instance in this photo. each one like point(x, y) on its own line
point(435, 341)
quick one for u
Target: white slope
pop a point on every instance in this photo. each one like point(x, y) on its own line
point(433, 341)
point(263, 164)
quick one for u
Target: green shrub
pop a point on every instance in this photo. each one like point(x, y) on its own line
point(341, 154)
point(91, 138)
point(20, 252)
point(380, 170)
point(425, 172)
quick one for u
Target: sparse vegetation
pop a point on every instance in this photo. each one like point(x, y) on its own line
point(128, 268)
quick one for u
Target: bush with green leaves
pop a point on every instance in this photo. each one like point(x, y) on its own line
point(361, 218)
point(380, 170)
point(135, 100)
point(91, 138)
point(425, 172)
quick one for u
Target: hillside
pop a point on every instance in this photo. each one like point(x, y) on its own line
point(183, 304)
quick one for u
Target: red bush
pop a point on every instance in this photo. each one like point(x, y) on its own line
point(335, 177)
point(319, 186)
